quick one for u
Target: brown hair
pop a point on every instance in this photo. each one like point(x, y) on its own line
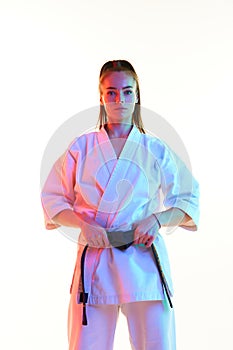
point(119, 66)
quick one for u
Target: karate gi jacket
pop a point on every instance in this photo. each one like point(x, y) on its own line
point(117, 192)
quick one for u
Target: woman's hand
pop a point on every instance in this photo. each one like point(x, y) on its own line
point(95, 235)
point(146, 231)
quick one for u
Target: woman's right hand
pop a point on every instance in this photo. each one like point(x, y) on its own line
point(94, 235)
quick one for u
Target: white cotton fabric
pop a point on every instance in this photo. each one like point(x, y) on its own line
point(116, 193)
point(127, 276)
point(151, 326)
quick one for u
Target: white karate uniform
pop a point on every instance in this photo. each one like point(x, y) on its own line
point(151, 326)
point(116, 193)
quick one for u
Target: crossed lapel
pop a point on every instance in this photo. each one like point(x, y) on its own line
point(118, 190)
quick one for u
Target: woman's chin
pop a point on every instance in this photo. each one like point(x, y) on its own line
point(120, 118)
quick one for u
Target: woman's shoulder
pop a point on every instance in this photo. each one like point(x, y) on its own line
point(81, 140)
point(154, 143)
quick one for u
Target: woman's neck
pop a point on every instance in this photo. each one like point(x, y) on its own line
point(118, 130)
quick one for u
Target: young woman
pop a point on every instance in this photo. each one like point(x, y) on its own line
point(119, 186)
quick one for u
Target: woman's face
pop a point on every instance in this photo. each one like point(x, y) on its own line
point(118, 95)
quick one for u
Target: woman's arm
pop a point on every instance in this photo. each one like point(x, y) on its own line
point(68, 218)
point(95, 234)
point(173, 217)
point(169, 217)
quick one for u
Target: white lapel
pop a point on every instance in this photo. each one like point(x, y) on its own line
point(118, 190)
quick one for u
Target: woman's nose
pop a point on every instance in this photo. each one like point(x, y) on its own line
point(120, 97)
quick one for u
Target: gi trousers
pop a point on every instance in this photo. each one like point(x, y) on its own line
point(151, 325)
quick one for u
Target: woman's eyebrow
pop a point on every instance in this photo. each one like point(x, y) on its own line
point(126, 87)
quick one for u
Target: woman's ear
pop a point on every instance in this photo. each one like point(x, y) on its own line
point(101, 100)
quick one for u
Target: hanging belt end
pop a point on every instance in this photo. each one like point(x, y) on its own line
point(84, 321)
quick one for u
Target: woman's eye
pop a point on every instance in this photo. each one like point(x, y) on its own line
point(128, 92)
point(111, 93)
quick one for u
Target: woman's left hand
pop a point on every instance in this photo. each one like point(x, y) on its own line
point(146, 231)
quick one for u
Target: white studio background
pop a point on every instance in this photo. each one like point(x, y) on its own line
point(51, 53)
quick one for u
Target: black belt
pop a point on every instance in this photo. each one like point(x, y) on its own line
point(120, 240)
point(83, 294)
point(161, 274)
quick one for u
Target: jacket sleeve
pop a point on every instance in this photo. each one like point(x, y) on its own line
point(58, 191)
point(179, 187)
